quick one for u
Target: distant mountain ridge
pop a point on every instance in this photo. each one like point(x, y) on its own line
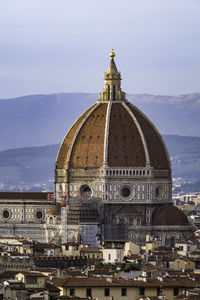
point(32, 169)
point(39, 120)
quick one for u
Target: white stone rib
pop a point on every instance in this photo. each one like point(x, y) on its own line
point(106, 134)
point(141, 134)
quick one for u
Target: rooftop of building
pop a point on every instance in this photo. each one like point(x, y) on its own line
point(102, 282)
point(23, 195)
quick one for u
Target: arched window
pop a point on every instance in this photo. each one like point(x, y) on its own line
point(122, 220)
point(157, 192)
point(130, 221)
point(71, 237)
point(116, 220)
point(50, 220)
point(113, 92)
point(108, 92)
point(172, 242)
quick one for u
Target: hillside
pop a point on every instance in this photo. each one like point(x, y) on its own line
point(185, 156)
point(33, 168)
point(40, 120)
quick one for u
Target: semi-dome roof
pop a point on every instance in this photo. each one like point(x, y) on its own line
point(113, 133)
point(169, 214)
point(127, 210)
point(55, 210)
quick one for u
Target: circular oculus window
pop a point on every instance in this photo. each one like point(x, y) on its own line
point(127, 192)
point(39, 215)
point(6, 214)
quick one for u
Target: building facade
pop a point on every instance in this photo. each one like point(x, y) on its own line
point(112, 181)
point(26, 214)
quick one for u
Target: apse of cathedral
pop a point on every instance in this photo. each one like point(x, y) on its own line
point(112, 180)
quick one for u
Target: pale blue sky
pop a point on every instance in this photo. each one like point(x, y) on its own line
point(49, 46)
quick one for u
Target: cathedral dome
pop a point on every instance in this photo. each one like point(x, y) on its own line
point(113, 133)
point(169, 215)
point(113, 173)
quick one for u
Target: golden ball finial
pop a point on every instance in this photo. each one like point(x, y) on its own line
point(112, 53)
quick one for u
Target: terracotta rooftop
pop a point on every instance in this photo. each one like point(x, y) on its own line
point(51, 287)
point(101, 272)
point(101, 282)
point(44, 246)
point(90, 250)
point(71, 244)
point(23, 195)
point(8, 274)
point(70, 297)
point(31, 274)
point(180, 273)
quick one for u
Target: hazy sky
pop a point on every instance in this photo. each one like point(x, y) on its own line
point(49, 46)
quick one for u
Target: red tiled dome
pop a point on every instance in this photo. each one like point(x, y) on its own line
point(131, 139)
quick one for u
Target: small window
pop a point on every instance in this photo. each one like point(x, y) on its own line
point(72, 292)
point(106, 292)
point(124, 292)
point(158, 291)
point(157, 192)
point(130, 221)
point(108, 92)
point(88, 292)
point(176, 291)
point(141, 291)
point(50, 220)
point(109, 257)
point(31, 280)
point(113, 92)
